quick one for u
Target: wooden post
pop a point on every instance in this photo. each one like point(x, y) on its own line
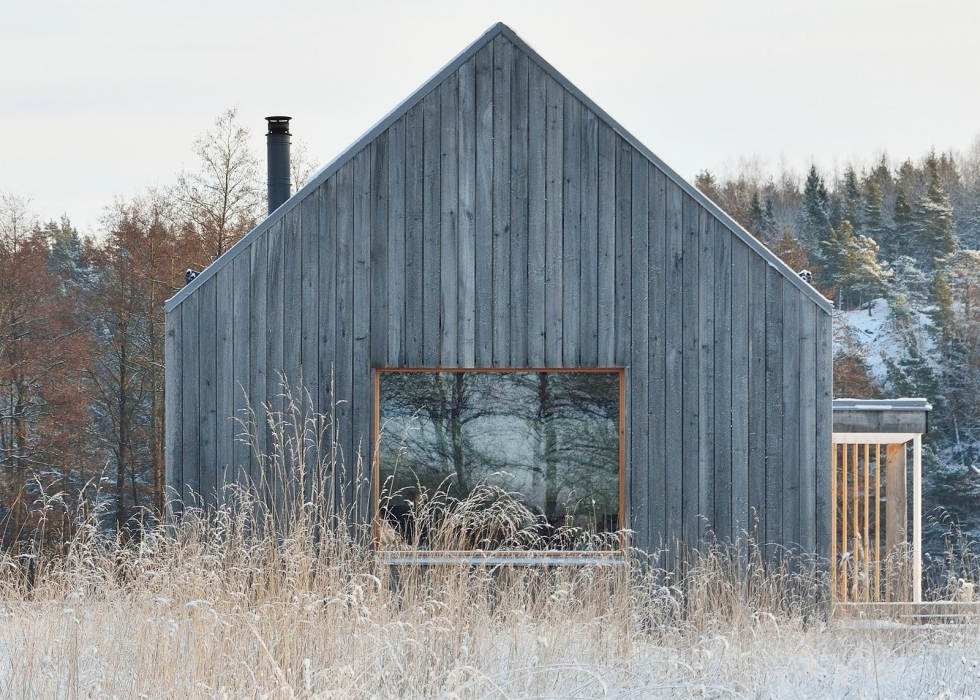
point(834, 469)
point(917, 519)
point(896, 505)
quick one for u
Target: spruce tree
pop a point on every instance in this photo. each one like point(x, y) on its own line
point(815, 210)
point(934, 218)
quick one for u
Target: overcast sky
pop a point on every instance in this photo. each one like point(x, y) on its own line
point(101, 99)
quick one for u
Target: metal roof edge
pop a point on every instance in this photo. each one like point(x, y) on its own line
point(904, 404)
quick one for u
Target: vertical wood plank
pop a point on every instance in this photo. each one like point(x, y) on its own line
point(757, 398)
point(191, 400)
point(808, 428)
point(707, 292)
point(224, 379)
point(606, 249)
point(414, 206)
point(173, 416)
point(362, 390)
point(657, 370)
point(396, 245)
point(257, 349)
point(723, 301)
point(242, 354)
point(791, 415)
point(309, 360)
point(328, 327)
point(379, 255)
point(639, 505)
point(483, 229)
point(774, 410)
point(536, 197)
point(431, 233)
point(449, 201)
point(740, 389)
point(675, 362)
point(501, 288)
point(554, 188)
point(519, 209)
point(824, 427)
point(623, 248)
point(292, 299)
point(344, 336)
point(572, 233)
point(589, 275)
point(466, 245)
point(207, 342)
point(689, 341)
point(275, 293)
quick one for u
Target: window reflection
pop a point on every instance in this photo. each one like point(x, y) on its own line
point(499, 460)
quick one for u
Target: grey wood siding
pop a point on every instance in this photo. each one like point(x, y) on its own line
point(501, 220)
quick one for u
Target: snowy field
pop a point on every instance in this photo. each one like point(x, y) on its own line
point(214, 615)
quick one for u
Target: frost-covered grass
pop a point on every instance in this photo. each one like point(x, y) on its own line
point(210, 612)
point(243, 602)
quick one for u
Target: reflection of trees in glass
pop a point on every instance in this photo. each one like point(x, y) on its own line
point(551, 438)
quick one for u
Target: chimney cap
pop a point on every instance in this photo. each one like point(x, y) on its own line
point(278, 125)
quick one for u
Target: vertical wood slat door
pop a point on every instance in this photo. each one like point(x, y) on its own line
point(857, 521)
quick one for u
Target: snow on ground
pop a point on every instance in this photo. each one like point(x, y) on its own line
point(878, 336)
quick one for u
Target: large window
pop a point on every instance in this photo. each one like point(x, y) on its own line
point(502, 461)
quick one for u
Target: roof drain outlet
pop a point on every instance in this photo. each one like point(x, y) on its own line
point(277, 141)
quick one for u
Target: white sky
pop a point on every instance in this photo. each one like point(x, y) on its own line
point(104, 98)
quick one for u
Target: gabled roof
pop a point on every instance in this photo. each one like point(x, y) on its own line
point(496, 30)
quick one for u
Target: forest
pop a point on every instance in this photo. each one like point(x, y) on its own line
point(81, 318)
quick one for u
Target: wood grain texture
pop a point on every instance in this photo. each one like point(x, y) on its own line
point(656, 465)
point(572, 234)
point(741, 359)
point(362, 394)
point(241, 322)
point(758, 412)
point(606, 248)
point(225, 379)
point(674, 355)
point(690, 373)
point(500, 197)
point(466, 222)
point(519, 155)
point(639, 505)
point(808, 428)
point(824, 419)
point(484, 227)
point(792, 464)
point(208, 397)
point(774, 411)
point(554, 192)
point(431, 233)
point(191, 401)
point(173, 412)
point(397, 268)
point(708, 289)
point(414, 227)
point(536, 216)
point(589, 265)
point(257, 342)
point(449, 202)
point(723, 496)
point(378, 262)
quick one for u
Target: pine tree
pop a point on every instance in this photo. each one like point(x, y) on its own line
point(853, 200)
point(815, 210)
point(934, 218)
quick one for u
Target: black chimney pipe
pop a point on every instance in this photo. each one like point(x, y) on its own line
point(277, 141)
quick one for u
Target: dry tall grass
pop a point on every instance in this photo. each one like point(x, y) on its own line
point(241, 602)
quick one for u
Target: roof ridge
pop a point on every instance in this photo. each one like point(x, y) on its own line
point(498, 29)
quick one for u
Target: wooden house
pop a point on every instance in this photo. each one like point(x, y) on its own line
point(498, 219)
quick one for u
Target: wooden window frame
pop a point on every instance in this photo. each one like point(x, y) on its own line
point(536, 557)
